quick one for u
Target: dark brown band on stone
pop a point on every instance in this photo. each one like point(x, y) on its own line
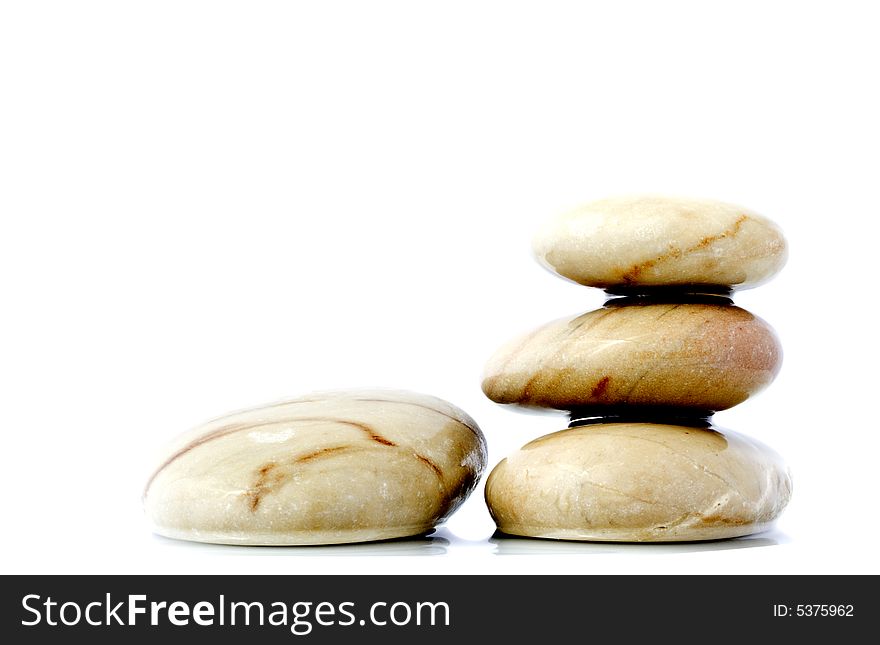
point(621, 295)
point(670, 415)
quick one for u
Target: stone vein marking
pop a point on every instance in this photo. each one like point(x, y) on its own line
point(603, 313)
point(653, 365)
point(599, 389)
point(630, 495)
point(709, 516)
point(685, 520)
point(628, 396)
point(214, 434)
point(563, 339)
point(269, 477)
point(323, 452)
point(430, 464)
point(632, 274)
point(676, 523)
point(241, 427)
point(446, 493)
point(255, 493)
point(700, 466)
point(668, 311)
point(467, 422)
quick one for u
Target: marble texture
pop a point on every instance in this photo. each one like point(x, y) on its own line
point(701, 356)
point(651, 241)
point(327, 468)
point(638, 482)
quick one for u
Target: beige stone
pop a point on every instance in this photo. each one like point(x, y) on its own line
point(323, 469)
point(651, 241)
point(702, 356)
point(638, 482)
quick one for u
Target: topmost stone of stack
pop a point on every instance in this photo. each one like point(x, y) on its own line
point(651, 241)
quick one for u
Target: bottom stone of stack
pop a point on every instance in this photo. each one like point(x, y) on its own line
point(638, 482)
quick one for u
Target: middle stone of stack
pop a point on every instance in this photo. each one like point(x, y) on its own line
point(686, 356)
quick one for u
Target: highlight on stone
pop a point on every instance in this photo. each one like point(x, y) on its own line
point(327, 468)
point(641, 378)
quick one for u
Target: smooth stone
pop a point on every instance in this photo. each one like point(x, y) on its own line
point(638, 482)
point(652, 241)
point(327, 468)
point(699, 356)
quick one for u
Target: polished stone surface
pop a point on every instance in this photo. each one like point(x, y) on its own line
point(695, 355)
point(652, 241)
point(327, 468)
point(638, 482)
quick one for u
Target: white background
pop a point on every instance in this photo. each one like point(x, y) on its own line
point(212, 205)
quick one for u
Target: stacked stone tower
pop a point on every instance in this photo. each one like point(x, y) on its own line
point(641, 378)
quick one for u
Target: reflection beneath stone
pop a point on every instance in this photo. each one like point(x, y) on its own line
point(513, 545)
point(418, 546)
